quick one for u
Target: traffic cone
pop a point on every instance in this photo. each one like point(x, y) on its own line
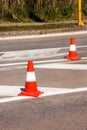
point(72, 53)
point(30, 84)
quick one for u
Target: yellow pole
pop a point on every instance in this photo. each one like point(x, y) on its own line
point(80, 22)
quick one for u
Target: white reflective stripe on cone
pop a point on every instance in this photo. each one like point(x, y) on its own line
point(72, 48)
point(30, 76)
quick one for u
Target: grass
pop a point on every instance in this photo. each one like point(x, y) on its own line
point(35, 27)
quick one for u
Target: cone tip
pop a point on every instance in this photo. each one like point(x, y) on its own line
point(30, 66)
point(72, 40)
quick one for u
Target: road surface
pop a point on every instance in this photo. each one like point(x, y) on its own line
point(63, 106)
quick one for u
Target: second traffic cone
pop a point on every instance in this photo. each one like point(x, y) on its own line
point(72, 53)
point(30, 84)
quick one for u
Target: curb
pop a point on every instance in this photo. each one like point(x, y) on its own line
point(44, 35)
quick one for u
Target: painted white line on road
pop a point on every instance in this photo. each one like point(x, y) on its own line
point(63, 66)
point(50, 65)
point(29, 54)
point(33, 54)
point(13, 64)
point(25, 63)
point(44, 35)
point(10, 99)
point(38, 53)
point(15, 90)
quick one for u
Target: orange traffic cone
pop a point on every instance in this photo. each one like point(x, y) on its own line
point(72, 53)
point(30, 84)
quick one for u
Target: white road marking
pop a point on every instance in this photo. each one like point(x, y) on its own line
point(29, 54)
point(44, 35)
point(13, 64)
point(50, 65)
point(43, 61)
point(25, 63)
point(15, 90)
point(63, 66)
point(33, 54)
point(3, 100)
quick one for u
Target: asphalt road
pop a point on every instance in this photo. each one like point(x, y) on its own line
point(67, 111)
